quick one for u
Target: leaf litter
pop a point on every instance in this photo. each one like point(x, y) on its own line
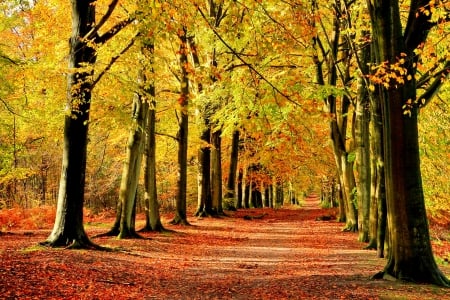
point(286, 254)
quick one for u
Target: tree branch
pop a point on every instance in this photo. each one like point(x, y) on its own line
point(277, 90)
point(167, 135)
point(113, 60)
point(9, 108)
point(94, 31)
point(113, 31)
point(418, 25)
point(2, 56)
point(431, 91)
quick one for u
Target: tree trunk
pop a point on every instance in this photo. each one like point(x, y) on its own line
point(216, 171)
point(378, 195)
point(239, 189)
point(132, 166)
point(153, 219)
point(340, 199)
point(363, 163)
point(182, 135)
point(230, 196)
point(152, 216)
point(68, 229)
point(204, 202)
point(348, 189)
point(267, 194)
point(410, 255)
point(338, 119)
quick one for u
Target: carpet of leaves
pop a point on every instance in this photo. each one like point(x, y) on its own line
point(286, 254)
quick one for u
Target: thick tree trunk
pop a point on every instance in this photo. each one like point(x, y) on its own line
point(68, 229)
point(410, 255)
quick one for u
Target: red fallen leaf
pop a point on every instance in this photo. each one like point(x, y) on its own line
point(284, 255)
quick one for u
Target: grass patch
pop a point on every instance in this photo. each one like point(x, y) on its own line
point(33, 248)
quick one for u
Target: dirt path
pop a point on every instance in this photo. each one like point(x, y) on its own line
point(286, 254)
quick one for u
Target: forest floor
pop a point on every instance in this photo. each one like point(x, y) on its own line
point(285, 254)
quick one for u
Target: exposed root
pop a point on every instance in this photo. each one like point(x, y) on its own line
point(159, 228)
point(324, 218)
point(350, 228)
point(248, 217)
point(80, 243)
point(439, 279)
point(129, 235)
point(372, 245)
point(113, 232)
point(179, 221)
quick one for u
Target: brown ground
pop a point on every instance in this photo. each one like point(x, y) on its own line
point(285, 255)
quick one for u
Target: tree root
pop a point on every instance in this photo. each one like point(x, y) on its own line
point(129, 235)
point(350, 228)
point(179, 221)
point(113, 232)
point(438, 280)
point(324, 218)
point(248, 217)
point(80, 243)
point(372, 245)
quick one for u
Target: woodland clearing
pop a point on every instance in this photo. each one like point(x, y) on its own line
point(285, 254)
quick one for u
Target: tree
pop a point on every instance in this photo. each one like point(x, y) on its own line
point(153, 219)
point(396, 53)
point(68, 229)
point(132, 165)
point(339, 106)
point(182, 134)
point(230, 196)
